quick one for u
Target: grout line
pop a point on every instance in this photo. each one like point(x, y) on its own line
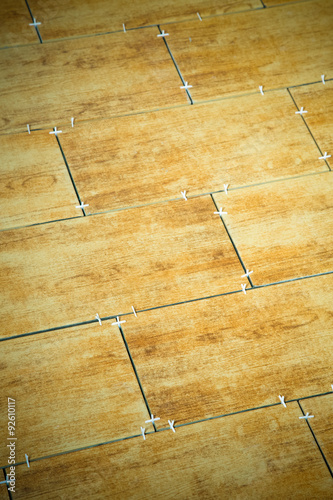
point(255, 287)
point(314, 437)
point(32, 18)
point(176, 66)
point(263, 5)
point(5, 477)
point(232, 242)
point(136, 374)
point(308, 128)
point(70, 174)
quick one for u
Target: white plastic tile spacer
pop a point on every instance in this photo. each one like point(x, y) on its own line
point(225, 187)
point(244, 288)
point(34, 23)
point(332, 387)
point(143, 433)
point(82, 205)
point(28, 127)
point(184, 195)
point(307, 416)
point(152, 419)
point(27, 459)
point(186, 86)
point(99, 319)
point(171, 422)
point(55, 131)
point(220, 212)
point(247, 274)
point(282, 401)
point(261, 90)
point(324, 157)
point(118, 322)
point(323, 79)
point(163, 34)
point(124, 28)
point(200, 18)
point(134, 311)
point(72, 121)
point(7, 480)
point(301, 111)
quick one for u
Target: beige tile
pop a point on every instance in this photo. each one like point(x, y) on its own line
point(231, 353)
point(72, 388)
point(235, 54)
point(322, 422)
point(65, 18)
point(282, 230)
point(155, 156)
point(68, 271)
point(268, 452)
point(317, 100)
point(15, 20)
point(34, 183)
point(86, 78)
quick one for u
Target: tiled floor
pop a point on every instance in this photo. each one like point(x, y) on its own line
point(166, 252)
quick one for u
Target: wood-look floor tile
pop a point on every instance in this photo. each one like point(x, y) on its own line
point(66, 18)
point(86, 78)
point(66, 272)
point(15, 20)
point(34, 183)
point(268, 452)
point(3, 487)
point(134, 160)
point(236, 54)
point(272, 3)
point(317, 100)
point(72, 388)
point(234, 352)
point(322, 422)
point(282, 230)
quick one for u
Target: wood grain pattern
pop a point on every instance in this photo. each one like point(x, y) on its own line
point(322, 423)
point(155, 156)
point(34, 183)
point(72, 388)
point(14, 28)
point(3, 488)
point(232, 55)
point(273, 3)
point(67, 271)
point(65, 18)
point(282, 230)
point(317, 100)
point(86, 78)
point(244, 456)
point(235, 352)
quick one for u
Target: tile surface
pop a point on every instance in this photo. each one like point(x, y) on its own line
point(322, 423)
point(72, 388)
point(15, 20)
point(235, 54)
point(34, 183)
point(67, 271)
point(150, 157)
point(317, 100)
point(282, 230)
point(235, 352)
point(65, 18)
point(244, 456)
point(86, 78)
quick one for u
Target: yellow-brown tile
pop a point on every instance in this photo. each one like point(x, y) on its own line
point(34, 183)
point(273, 3)
point(263, 453)
point(86, 78)
point(235, 54)
point(150, 157)
point(322, 422)
point(3, 488)
point(66, 272)
point(235, 352)
point(72, 388)
point(317, 100)
point(282, 230)
point(15, 20)
point(66, 18)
